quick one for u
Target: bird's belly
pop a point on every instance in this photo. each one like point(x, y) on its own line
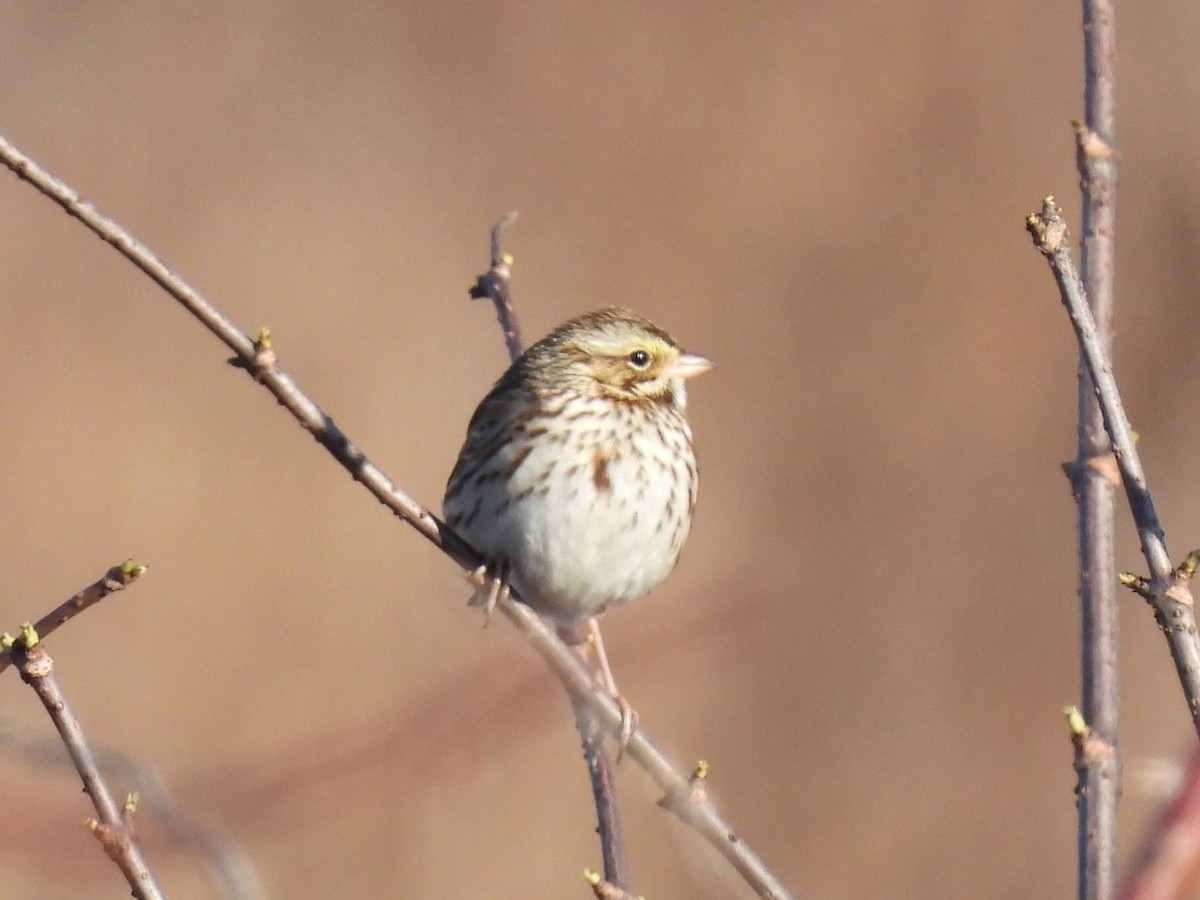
point(604, 528)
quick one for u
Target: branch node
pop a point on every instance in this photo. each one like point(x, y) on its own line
point(261, 357)
point(29, 636)
point(694, 791)
point(698, 782)
point(1179, 592)
point(1090, 748)
point(113, 839)
point(264, 353)
point(1048, 228)
point(1188, 567)
point(1089, 145)
point(123, 575)
point(35, 663)
point(1102, 464)
point(1137, 584)
point(606, 890)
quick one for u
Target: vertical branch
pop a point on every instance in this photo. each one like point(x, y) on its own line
point(494, 285)
point(1093, 475)
point(602, 775)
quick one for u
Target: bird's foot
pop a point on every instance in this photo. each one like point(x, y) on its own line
point(602, 676)
point(491, 587)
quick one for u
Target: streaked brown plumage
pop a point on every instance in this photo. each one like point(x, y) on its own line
point(577, 477)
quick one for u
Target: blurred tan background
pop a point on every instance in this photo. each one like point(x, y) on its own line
point(873, 629)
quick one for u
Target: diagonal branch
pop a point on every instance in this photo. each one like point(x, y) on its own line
point(1167, 589)
point(114, 827)
point(258, 358)
point(115, 579)
point(229, 867)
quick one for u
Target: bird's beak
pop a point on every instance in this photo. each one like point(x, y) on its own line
point(688, 365)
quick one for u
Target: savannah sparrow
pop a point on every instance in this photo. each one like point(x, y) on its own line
point(577, 479)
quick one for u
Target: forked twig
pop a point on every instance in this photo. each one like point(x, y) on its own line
point(258, 358)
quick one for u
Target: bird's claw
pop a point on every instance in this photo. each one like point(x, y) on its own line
point(629, 723)
point(491, 587)
point(603, 677)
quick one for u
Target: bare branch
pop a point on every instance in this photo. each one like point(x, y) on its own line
point(605, 889)
point(1168, 588)
point(225, 859)
point(1099, 783)
point(602, 776)
point(233, 874)
point(680, 796)
point(258, 358)
point(495, 285)
point(113, 828)
point(115, 579)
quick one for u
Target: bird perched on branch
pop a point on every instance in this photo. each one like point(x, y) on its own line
point(577, 479)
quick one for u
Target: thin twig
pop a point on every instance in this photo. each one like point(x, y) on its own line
point(115, 579)
point(1099, 782)
point(1167, 589)
point(229, 866)
point(496, 285)
point(114, 827)
point(603, 778)
point(679, 793)
point(259, 359)
point(605, 889)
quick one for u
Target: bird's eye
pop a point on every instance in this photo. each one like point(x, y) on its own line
point(639, 359)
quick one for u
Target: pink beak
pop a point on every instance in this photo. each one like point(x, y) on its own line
point(688, 365)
